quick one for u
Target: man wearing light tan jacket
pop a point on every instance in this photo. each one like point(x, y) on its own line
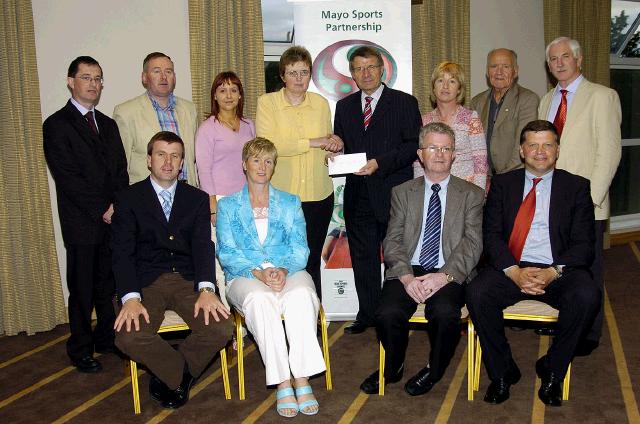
point(588, 116)
point(158, 109)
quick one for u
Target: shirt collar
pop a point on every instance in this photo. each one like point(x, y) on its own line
point(157, 188)
point(573, 87)
point(83, 110)
point(443, 184)
point(284, 103)
point(376, 94)
point(546, 177)
point(170, 106)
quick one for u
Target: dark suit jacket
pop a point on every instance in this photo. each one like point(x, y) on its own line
point(571, 219)
point(391, 139)
point(519, 107)
point(461, 230)
point(87, 168)
point(145, 245)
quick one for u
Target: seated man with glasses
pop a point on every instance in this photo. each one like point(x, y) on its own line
point(433, 243)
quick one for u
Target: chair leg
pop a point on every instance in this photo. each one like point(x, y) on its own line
point(381, 371)
point(470, 358)
point(325, 349)
point(565, 386)
point(240, 345)
point(224, 366)
point(134, 386)
point(477, 365)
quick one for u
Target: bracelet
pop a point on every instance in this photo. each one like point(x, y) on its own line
point(213, 213)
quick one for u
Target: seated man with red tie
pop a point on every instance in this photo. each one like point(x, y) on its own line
point(538, 248)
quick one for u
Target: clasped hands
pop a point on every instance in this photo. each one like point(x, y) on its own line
point(133, 308)
point(330, 143)
point(422, 288)
point(532, 280)
point(274, 278)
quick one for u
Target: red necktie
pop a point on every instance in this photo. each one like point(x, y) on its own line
point(92, 124)
point(561, 114)
point(367, 111)
point(523, 221)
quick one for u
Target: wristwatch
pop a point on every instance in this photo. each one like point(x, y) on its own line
point(450, 278)
point(558, 271)
point(207, 289)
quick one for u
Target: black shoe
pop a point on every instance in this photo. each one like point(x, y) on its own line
point(420, 383)
point(585, 347)
point(498, 390)
point(550, 392)
point(87, 364)
point(371, 384)
point(157, 389)
point(545, 331)
point(178, 397)
point(356, 327)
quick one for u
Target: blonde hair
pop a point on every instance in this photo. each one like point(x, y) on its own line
point(257, 147)
point(456, 72)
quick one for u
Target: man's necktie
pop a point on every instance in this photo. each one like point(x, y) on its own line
point(431, 236)
point(92, 123)
point(523, 221)
point(561, 114)
point(367, 111)
point(166, 203)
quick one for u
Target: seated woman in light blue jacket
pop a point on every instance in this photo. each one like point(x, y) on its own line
point(262, 247)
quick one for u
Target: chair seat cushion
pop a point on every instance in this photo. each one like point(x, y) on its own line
point(532, 307)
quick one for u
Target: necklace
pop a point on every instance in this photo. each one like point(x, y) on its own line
point(233, 124)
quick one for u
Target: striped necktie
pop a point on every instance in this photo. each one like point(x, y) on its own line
point(431, 237)
point(367, 111)
point(166, 203)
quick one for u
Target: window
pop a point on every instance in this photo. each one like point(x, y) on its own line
point(277, 30)
point(625, 79)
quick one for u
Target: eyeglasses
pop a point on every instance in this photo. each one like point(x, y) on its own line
point(296, 74)
point(434, 149)
point(361, 69)
point(88, 79)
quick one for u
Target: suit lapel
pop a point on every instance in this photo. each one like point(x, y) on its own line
point(151, 198)
point(149, 113)
point(81, 125)
point(384, 104)
point(415, 212)
point(452, 209)
point(484, 112)
point(507, 105)
point(579, 99)
point(245, 214)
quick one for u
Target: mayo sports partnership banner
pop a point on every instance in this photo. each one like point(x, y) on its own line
point(331, 30)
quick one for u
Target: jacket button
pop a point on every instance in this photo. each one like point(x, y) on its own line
point(171, 237)
point(173, 269)
point(171, 253)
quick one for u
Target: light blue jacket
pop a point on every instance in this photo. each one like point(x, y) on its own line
point(239, 248)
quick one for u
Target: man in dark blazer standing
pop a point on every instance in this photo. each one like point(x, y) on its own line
point(384, 124)
point(163, 258)
point(539, 242)
point(432, 246)
point(86, 158)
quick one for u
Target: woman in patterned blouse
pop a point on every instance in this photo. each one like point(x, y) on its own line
point(447, 98)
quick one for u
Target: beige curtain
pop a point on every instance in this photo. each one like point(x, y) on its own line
point(440, 31)
point(30, 290)
point(587, 21)
point(226, 35)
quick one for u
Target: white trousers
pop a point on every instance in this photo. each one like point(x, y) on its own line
point(263, 308)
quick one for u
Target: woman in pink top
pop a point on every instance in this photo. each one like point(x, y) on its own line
point(220, 139)
point(447, 98)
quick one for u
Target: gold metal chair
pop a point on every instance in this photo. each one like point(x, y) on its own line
point(173, 322)
point(418, 317)
point(525, 310)
point(239, 319)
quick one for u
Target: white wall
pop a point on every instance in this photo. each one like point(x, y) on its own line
point(118, 34)
point(516, 25)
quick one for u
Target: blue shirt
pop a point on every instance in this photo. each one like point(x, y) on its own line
point(537, 247)
point(168, 122)
point(557, 98)
point(415, 259)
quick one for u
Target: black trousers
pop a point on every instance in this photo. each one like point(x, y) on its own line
point(317, 216)
point(597, 269)
point(90, 283)
point(365, 234)
point(575, 295)
point(443, 312)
